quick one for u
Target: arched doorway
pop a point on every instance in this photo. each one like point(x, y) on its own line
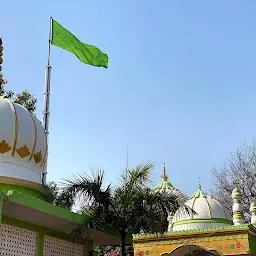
point(192, 250)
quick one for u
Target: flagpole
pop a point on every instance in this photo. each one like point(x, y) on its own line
point(46, 113)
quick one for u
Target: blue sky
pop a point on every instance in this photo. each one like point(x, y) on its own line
point(180, 87)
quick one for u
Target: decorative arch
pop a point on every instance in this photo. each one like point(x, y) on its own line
point(192, 250)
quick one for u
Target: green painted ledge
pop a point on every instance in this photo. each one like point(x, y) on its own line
point(43, 206)
point(40, 205)
point(180, 232)
point(24, 190)
point(212, 220)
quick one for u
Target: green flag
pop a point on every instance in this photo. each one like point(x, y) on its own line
point(88, 54)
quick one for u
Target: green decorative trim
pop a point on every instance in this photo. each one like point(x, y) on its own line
point(44, 190)
point(238, 216)
point(40, 205)
point(235, 190)
point(199, 193)
point(224, 228)
point(89, 246)
point(29, 191)
point(213, 220)
point(165, 185)
point(40, 246)
point(1, 205)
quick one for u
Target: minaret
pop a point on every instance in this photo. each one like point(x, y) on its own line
point(169, 219)
point(238, 216)
point(253, 212)
point(164, 176)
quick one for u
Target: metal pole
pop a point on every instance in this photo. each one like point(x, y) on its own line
point(127, 157)
point(46, 113)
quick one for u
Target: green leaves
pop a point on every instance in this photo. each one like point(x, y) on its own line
point(131, 207)
point(23, 98)
point(63, 199)
point(89, 190)
point(134, 179)
point(26, 100)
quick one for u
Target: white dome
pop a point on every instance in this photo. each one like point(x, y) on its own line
point(208, 213)
point(23, 143)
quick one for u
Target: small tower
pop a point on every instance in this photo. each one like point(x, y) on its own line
point(169, 219)
point(253, 212)
point(238, 216)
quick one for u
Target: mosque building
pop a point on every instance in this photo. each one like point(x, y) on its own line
point(29, 223)
point(204, 227)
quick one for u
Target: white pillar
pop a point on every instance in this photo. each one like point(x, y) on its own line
point(253, 212)
point(238, 213)
point(169, 219)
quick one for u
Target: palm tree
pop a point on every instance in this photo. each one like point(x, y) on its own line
point(131, 207)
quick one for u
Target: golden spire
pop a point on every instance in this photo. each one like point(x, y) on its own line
point(164, 176)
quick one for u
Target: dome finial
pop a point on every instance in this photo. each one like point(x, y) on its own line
point(235, 182)
point(199, 184)
point(164, 176)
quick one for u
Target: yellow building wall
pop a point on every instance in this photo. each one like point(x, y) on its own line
point(225, 245)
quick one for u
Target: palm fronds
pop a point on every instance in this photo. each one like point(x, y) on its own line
point(132, 207)
point(89, 189)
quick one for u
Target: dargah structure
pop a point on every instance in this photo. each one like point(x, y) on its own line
point(29, 223)
point(207, 230)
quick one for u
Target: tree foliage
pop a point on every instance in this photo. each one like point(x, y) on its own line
point(131, 207)
point(239, 166)
point(112, 250)
point(63, 198)
point(23, 98)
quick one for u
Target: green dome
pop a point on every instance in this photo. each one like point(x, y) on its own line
point(199, 193)
point(206, 213)
point(165, 185)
